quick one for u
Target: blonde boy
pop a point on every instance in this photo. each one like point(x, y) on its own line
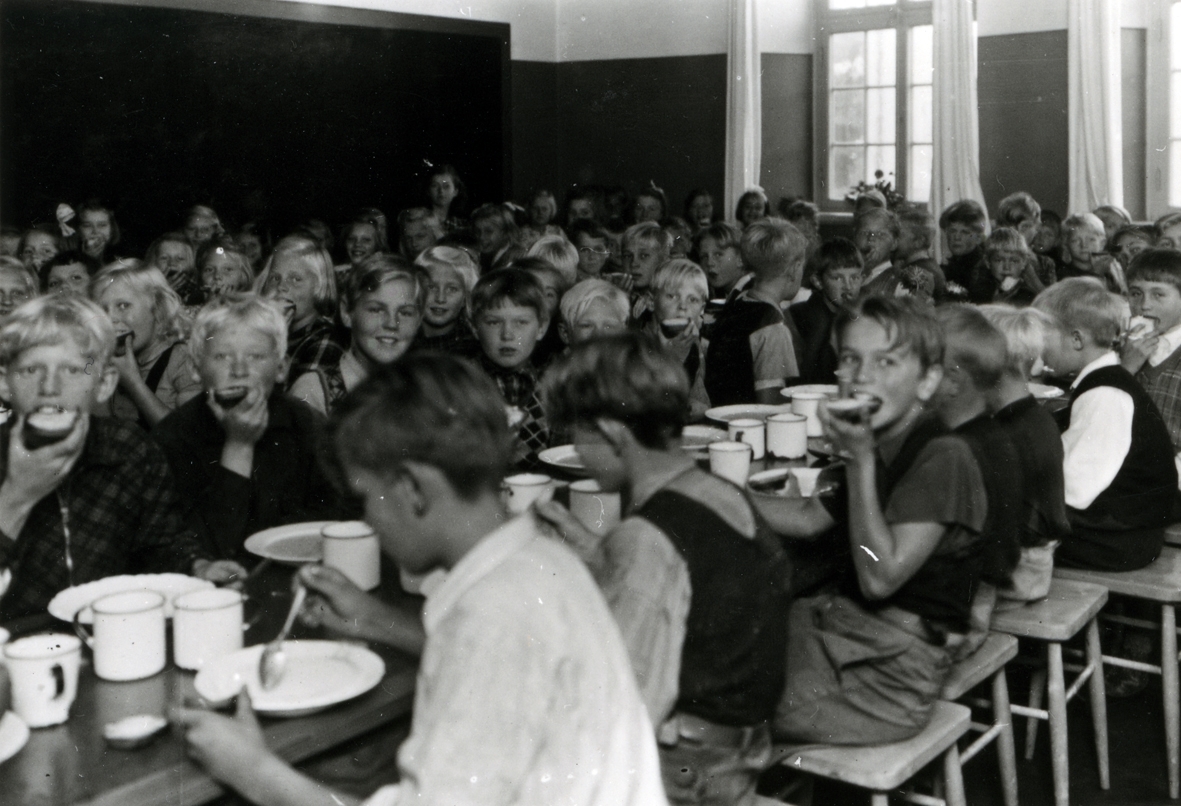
point(592, 308)
point(105, 480)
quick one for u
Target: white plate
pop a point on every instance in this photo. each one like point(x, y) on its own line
point(563, 457)
point(293, 544)
point(319, 674)
point(740, 411)
point(698, 437)
point(830, 389)
point(1044, 392)
point(71, 600)
point(13, 735)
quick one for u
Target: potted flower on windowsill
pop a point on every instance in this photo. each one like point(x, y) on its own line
point(880, 194)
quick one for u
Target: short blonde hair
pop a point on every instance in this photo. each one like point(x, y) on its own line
point(1025, 332)
point(11, 264)
point(770, 246)
point(147, 281)
point(559, 253)
point(1084, 303)
point(575, 301)
point(316, 257)
point(678, 271)
point(1083, 221)
point(452, 258)
point(1006, 239)
point(379, 269)
point(250, 310)
point(53, 319)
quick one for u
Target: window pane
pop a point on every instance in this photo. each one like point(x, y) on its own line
point(920, 114)
point(879, 116)
point(847, 59)
point(919, 181)
point(879, 158)
point(846, 168)
point(881, 50)
point(848, 116)
point(922, 54)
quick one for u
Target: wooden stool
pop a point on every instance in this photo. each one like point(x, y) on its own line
point(989, 662)
point(884, 768)
point(1159, 583)
point(1173, 534)
point(1069, 608)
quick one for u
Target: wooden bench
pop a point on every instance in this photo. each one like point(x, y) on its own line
point(1159, 583)
point(1069, 608)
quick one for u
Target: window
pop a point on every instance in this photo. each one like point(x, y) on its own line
point(873, 77)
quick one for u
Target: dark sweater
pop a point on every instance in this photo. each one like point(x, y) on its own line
point(814, 319)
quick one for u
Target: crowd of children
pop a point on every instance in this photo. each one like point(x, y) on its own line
point(219, 385)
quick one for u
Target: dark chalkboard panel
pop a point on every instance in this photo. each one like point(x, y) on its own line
point(289, 109)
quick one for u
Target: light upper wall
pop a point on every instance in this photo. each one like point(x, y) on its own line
point(997, 17)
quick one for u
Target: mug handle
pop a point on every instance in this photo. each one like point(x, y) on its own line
point(246, 625)
point(738, 436)
point(80, 629)
point(59, 680)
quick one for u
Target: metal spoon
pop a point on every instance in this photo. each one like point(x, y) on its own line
point(273, 660)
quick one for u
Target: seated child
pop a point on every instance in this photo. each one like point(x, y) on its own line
point(524, 691)
point(920, 274)
point(223, 268)
point(418, 230)
point(98, 230)
point(1120, 478)
point(876, 235)
point(451, 276)
point(105, 489)
point(1169, 228)
point(855, 672)
point(559, 253)
point(679, 294)
point(18, 285)
point(963, 225)
point(39, 244)
point(69, 273)
point(202, 223)
point(244, 463)
point(496, 236)
point(1155, 357)
point(752, 350)
point(1008, 274)
point(362, 239)
point(1084, 255)
point(542, 212)
point(1039, 451)
point(156, 373)
point(718, 248)
point(1129, 241)
point(10, 241)
point(1048, 241)
point(645, 249)
point(696, 581)
point(680, 236)
point(1021, 212)
point(592, 308)
point(382, 308)
point(804, 216)
point(593, 245)
point(173, 254)
point(300, 277)
point(554, 283)
point(510, 312)
point(835, 272)
point(1113, 218)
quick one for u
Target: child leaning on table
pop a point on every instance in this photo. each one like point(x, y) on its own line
point(524, 695)
point(865, 664)
point(1118, 469)
point(106, 482)
point(244, 454)
point(696, 581)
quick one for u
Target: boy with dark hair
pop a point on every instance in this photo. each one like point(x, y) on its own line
point(525, 694)
point(1118, 467)
point(963, 226)
point(752, 348)
point(834, 272)
point(510, 314)
point(594, 251)
point(866, 664)
point(1021, 212)
point(694, 578)
point(98, 501)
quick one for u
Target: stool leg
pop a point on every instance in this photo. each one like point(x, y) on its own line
point(953, 778)
point(1059, 756)
point(1098, 703)
point(1037, 684)
point(1168, 646)
point(1005, 749)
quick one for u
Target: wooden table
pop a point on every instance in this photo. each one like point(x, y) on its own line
point(72, 764)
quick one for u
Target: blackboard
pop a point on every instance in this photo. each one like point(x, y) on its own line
point(282, 110)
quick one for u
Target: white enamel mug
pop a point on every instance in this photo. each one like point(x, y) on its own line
point(206, 625)
point(753, 433)
point(730, 460)
point(128, 641)
point(523, 489)
point(806, 403)
point(44, 677)
point(787, 436)
point(352, 548)
point(595, 509)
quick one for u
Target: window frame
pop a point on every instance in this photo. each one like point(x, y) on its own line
point(902, 16)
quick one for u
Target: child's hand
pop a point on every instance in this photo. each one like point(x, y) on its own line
point(622, 280)
point(244, 423)
point(342, 608)
point(127, 366)
point(34, 474)
point(586, 544)
point(219, 572)
point(853, 439)
point(232, 750)
point(1135, 352)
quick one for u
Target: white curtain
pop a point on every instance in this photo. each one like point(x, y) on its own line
point(744, 104)
point(1096, 139)
point(955, 168)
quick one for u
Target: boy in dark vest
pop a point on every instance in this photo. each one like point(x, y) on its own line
point(865, 664)
point(1118, 470)
point(834, 272)
point(696, 581)
point(752, 348)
